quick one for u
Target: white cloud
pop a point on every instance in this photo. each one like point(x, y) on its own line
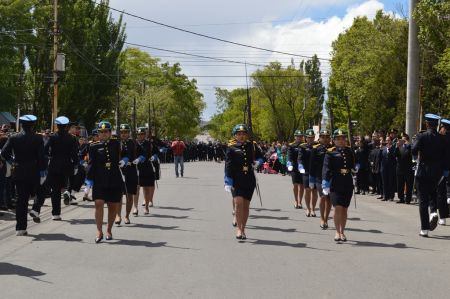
point(305, 36)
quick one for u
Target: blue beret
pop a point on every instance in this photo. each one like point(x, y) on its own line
point(62, 120)
point(432, 117)
point(28, 118)
point(445, 122)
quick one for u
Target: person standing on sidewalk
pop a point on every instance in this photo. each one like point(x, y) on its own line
point(178, 148)
point(25, 152)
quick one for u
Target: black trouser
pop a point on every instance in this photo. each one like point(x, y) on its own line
point(56, 183)
point(405, 178)
point(427, 192)
point(388, 177)
point(363, 180)
point(442, 205)
point(24, 191)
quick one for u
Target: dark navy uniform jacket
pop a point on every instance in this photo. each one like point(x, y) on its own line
point(404, 159)
point(431, 148)
point(304, 155)
point(26, 151)
point(337, 169)
point(239, 163)
point(316, 161)
point(103, 167)
point(292, 154)
point(128, 149)
point(62, 150)
point(146, 149)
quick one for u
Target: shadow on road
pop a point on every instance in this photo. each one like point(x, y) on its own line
point(10, 269)
point(275, 229)
point(284, 244)
point(174, 208)
point(55, 237)
point(139, 243)
point(268, 210)
point(382, 245)
point(372, 231)
point(268, 217)
point(152, 226)
point(167, 216)
point(80, 221)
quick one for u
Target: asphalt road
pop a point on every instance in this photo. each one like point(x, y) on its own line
point(186, 249)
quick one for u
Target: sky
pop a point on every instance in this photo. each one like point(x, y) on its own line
point(304, 27)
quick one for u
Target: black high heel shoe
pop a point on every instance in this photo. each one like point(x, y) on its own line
point(109, 238)
point(98, 239)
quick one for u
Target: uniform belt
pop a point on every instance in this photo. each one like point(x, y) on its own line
point(344, 171)
point(108, 165)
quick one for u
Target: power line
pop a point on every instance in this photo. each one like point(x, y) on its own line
point(193, 55)
point(204, 35)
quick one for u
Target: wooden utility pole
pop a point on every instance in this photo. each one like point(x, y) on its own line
point(117, 116)
point(249, 106)
point(55, 58)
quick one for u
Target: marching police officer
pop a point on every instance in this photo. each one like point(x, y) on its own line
point(292, 165)
point(337, 180)
point(104, 176)
point(430, 149)
point(304, 155)
point(240, 178)
point(128, 149)
point(315, 175)
point(62, 151)
point(146, 153)
point(25, 152)
point(444, 186)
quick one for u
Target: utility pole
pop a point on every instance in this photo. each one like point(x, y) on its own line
point(55, 58)
point(412, 90)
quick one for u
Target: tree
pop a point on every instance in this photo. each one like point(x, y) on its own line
point(369, 62)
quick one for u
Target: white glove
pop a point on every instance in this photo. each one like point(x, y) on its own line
point(326, 191)
point(228, 188)
point(8, 170)
point(290, 168)
point(137, 161)
point(75, 171)
point(43, 178)
point(302, 170)
point(85, 164)
point(121, 163)
point(86, 190)
point(448, 201)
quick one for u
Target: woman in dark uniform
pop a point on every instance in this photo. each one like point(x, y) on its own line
point(128, 149)
point(240, 177)
point(337, 180)
point(103, 175)
point(145, 152)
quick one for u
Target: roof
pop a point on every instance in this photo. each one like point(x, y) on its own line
point(6, 118)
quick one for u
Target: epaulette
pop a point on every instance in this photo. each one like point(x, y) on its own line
point(331, 149)
point(232, 142)
point(303, 144)
point(316, 145)
point(95, 142)
point(292, 143)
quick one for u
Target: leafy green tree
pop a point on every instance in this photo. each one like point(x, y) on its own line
point(369, 63)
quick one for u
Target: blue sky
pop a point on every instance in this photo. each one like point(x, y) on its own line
point(297, 26)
